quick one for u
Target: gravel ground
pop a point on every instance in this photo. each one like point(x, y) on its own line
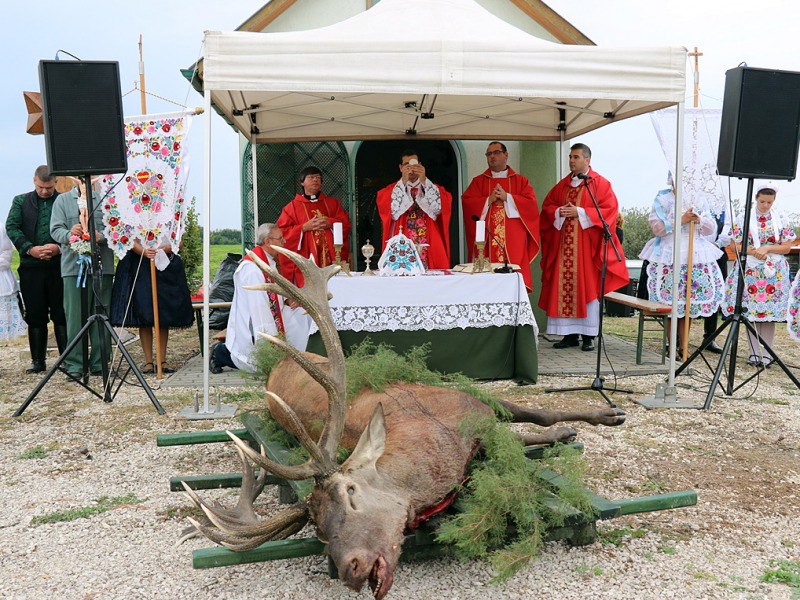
point(742, 457)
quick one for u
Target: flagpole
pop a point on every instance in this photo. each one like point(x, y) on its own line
point(153, 285)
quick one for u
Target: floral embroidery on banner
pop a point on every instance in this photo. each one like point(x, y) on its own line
point(147, 202)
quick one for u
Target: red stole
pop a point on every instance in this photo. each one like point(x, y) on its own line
point(274, 304)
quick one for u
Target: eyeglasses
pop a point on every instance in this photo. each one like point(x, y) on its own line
point(495, 153)
point(314, 177)
point(281, 239)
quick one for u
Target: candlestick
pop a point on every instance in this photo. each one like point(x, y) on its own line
point(337, 248)
point(480, 264)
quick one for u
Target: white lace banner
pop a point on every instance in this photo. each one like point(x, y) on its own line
point(701, 184)
point(428, 303)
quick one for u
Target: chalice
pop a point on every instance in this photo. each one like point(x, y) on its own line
point(368, 250)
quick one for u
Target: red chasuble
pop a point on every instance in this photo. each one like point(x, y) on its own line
point(520, 236)
point(572, 257)
point(318, 244)
point(420, 227)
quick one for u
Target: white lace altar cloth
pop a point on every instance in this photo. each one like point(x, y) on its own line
point(432, 302)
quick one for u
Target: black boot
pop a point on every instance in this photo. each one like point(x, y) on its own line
point(61, 338)
point(37, 341)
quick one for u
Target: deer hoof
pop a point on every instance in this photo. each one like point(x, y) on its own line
point(611, 417)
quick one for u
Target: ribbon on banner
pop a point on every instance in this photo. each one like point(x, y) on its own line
point(84, 263)
point(147, 202)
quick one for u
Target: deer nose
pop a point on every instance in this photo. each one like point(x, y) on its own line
point(354, 571)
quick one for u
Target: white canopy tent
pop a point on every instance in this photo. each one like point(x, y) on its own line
point(431, 69)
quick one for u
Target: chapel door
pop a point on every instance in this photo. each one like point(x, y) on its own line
point(377, 166)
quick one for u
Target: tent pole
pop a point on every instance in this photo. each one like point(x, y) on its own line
point(206, 245)
point(254, 160)
point(676, 246)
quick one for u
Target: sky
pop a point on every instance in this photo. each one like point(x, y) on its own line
point(728, 32)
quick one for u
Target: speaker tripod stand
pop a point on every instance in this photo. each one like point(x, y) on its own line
point(597, 383)
point(100, 320)
point(729, 350)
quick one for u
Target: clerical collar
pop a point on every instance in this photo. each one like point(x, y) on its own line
point(497, 174)
point(312, 198)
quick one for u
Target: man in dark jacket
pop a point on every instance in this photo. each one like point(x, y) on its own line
point(28, 226)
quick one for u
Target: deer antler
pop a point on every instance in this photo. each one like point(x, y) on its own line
point(239, 528)
point(313, 297)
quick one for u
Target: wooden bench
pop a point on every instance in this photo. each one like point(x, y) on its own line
point(198, 313)
point(648, 310)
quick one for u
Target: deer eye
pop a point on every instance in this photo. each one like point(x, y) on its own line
point(351, 490)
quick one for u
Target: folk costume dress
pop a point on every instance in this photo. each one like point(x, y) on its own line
point(767, 288)
point(318, 244)
point(423, 211)
point(12, 325)
point(708, 285)
point(572, 253)
point(515, 222)
point(255, 311)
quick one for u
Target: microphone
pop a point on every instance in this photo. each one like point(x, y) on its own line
point(583, 176)
point(505, 268)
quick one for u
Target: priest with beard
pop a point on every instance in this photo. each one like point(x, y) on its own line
point(572, 252)
point(506, 201)
point(421, 208)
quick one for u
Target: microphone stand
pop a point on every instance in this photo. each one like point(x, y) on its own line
point(597, 384)
point(101, 319)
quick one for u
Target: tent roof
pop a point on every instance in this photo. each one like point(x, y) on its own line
point(436, 69)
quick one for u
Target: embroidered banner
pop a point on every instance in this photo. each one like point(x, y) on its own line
point(148, 201)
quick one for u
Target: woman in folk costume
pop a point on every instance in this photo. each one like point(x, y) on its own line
point(12, 325)
point(766, 273)
point(708, 286)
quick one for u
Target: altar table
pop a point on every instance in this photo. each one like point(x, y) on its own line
point(479, 324)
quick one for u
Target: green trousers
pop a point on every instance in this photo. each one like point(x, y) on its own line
point(72, 309)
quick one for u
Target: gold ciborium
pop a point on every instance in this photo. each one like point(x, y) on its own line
point(368, 250)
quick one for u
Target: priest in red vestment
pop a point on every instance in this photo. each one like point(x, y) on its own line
point(506, 201)
point(572, 252)
point(421, 208)
point(307, 224)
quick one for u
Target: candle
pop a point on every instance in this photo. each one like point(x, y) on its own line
point(480, 231)
point(337, 234)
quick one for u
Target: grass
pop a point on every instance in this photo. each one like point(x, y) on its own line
point(35, 452)
point(103, 504)
point(617, 537)
point(784, 571)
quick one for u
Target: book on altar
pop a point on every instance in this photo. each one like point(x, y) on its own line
point(470, 267)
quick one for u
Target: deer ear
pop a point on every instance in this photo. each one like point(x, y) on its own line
point(371, 443)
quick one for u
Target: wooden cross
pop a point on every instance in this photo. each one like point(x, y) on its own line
point(696, 56)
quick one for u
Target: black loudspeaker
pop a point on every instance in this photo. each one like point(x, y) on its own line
point(760, 129)
point(83, 121)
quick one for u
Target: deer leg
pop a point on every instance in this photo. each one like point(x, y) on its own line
point(596, 416)
point(548, 436)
